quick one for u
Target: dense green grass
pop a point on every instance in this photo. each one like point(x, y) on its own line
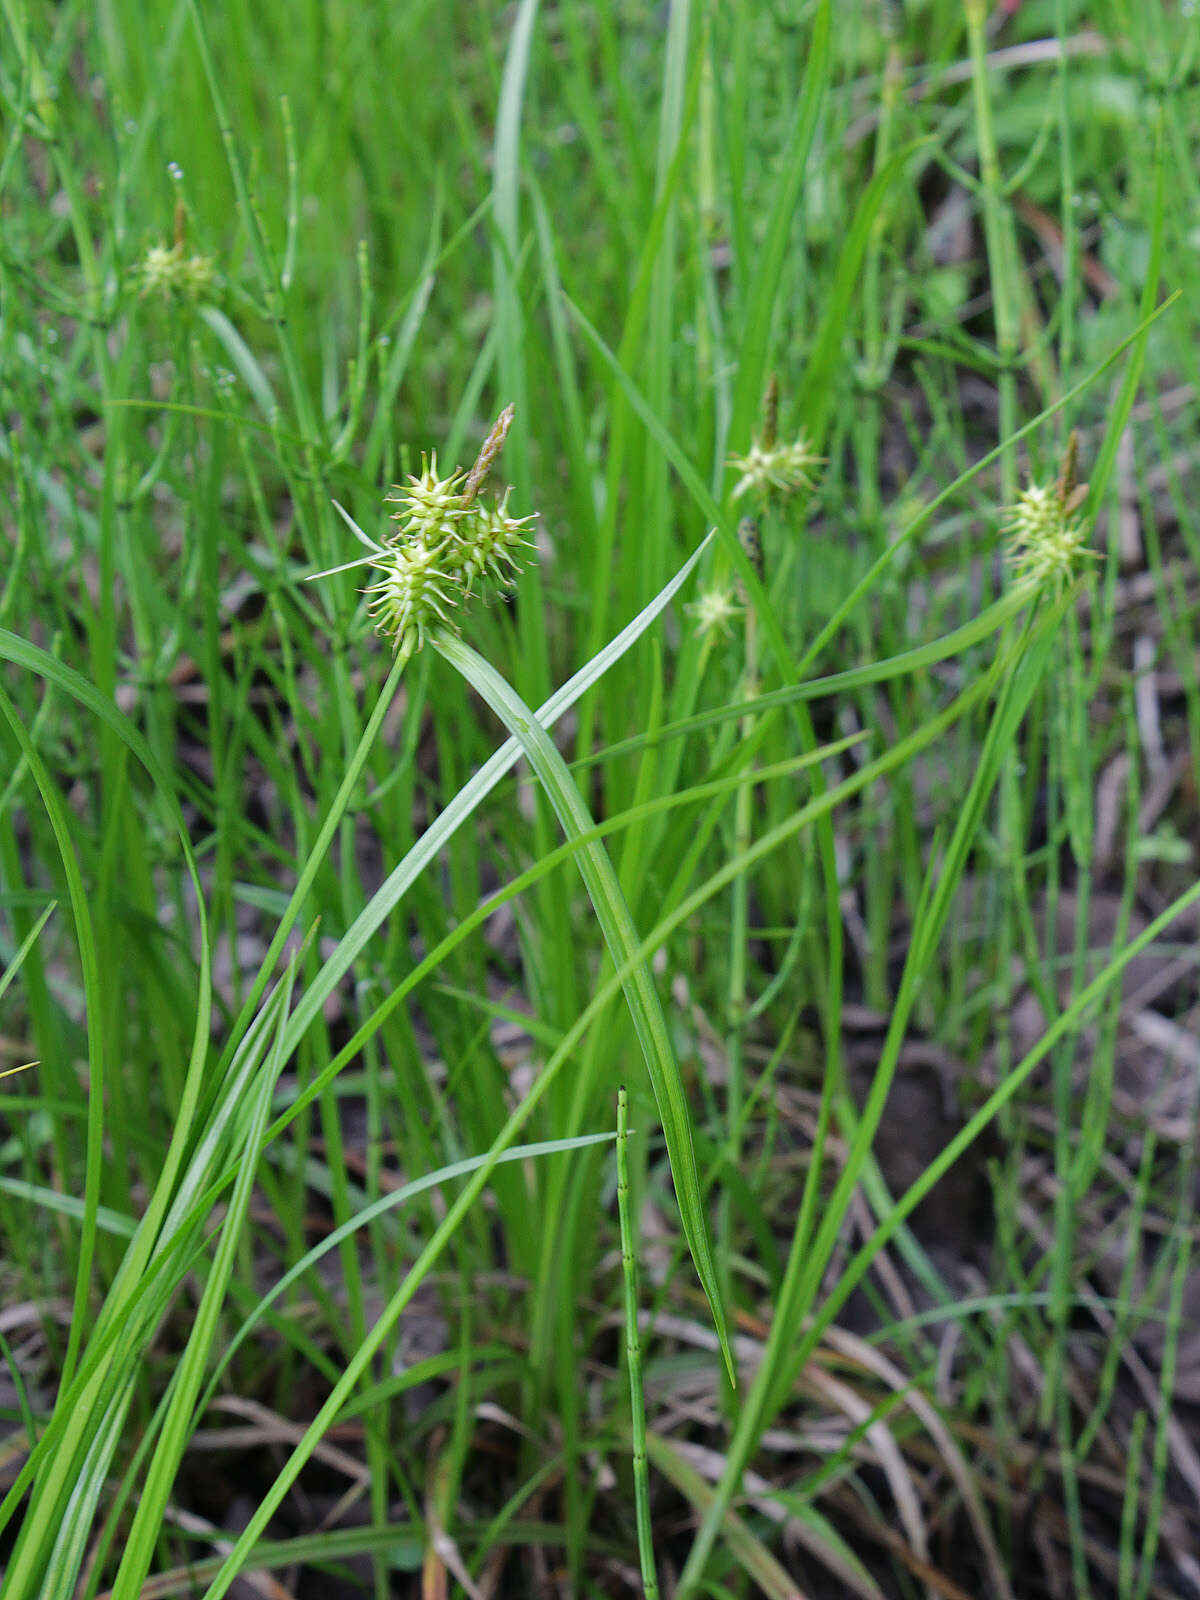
point(311, 1259)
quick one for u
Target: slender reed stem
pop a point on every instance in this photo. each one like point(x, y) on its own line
point(739, 930)
point(633, 1353)
point(1001, 246)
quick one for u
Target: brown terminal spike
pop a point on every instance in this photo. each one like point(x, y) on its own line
point(1070, 470)
point(491, 448)
point(1075, 499)
point(770, 412)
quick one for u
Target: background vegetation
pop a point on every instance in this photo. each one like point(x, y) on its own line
point(311, 1279)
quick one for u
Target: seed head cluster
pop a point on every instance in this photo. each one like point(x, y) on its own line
point(772, 468)
point(169, 272)
point(448, 537)
point(1047, 542)
point(713, 611)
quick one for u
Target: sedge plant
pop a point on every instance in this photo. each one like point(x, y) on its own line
point(449, 539)
point(222, 314)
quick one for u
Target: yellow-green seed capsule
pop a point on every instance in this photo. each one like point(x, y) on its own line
point(445, 540)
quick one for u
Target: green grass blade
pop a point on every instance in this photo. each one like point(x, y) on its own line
point(612, 912)
point(179, 1420)
point(633, 1354)
point(829, 347)
point(89, 963)
point(359, 1363)
point(769, 262)
point(382, 1207)
point(464, 803)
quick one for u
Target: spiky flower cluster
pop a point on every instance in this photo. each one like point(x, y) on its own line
point(168, 271)
point(493, 550)
point(413, 593)
point(770, 467)
point(713, 611)
point(446, 538)
point(1046, 540)
point(429, 505)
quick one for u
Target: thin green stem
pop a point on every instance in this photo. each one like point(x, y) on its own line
point(739, 928)
point(1001, 245)
point(633, 1355)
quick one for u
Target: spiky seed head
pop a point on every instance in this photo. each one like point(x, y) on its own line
point(445, 538)
point(1046, 540)
point(713, 611)
point(489, 543)
point(411, 595)
point(428, 506)
point(779, 469)
point(169, 272)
